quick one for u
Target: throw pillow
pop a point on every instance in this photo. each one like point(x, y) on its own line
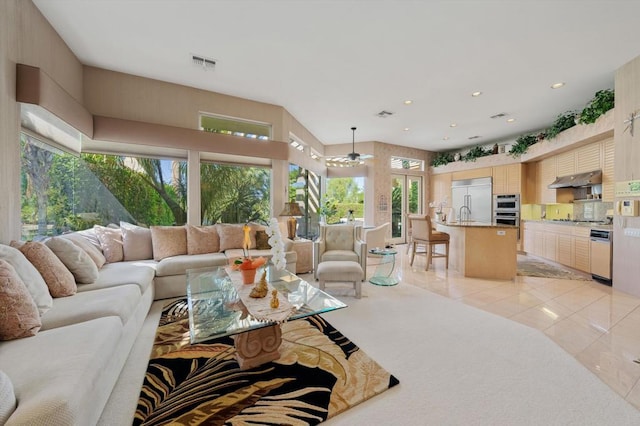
point(8, 400)
point(111, 243)
point(59, 279)
point(168, 241)
point(231, 236)
point(262, 240)
point(76, 260)
point(30, 276)
point(255, 227)
point(136, 242)
point(202, 239)
point(85, 244)
point(20, 316)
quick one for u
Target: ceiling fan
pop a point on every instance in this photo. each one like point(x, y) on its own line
point(353, 156)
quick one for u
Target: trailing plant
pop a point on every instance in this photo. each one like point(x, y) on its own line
point(563, 122)
point(441, 159)
point(476, 152)
point(602, 102)
point(522, 145)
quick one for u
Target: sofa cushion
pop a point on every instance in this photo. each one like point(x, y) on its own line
point(74, 361)
point(202, 239)
point(139, 272)
point(76, 260)
point(178, 265)
point(20, 316)
point(94, 252)
point(30, 277)
point(231, 236)
point(120, 301)
point(111, 243)
point(168, 241)
point(262, 240)
point(57, 277)
point(136, 242)
point(7, 398)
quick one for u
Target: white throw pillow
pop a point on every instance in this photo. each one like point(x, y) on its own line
point(86, 244)
point(111, 243)
point(30, 276)
point(7, 398)
point(136, 241)
point(76, 260)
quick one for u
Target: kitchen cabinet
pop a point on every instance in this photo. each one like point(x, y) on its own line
point(507, 179)
point(566, 163)
point(441, 188)
point(564, 249)
point(550, 246)
point(547, 173)
point(581, 249)
point(608, 181)
point(472, 174)
point(565, 244)
point(528, 236)
point(588, 158)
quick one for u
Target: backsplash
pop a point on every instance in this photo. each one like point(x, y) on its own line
point(591, 210)
point(584, 210)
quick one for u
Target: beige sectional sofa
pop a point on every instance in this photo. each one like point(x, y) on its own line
point(64, 374)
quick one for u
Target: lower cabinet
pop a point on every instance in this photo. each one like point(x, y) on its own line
point(565, 244)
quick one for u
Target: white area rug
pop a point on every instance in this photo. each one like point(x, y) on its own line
point(457, 365)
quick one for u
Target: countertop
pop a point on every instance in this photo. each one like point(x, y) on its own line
point(473, 224)
point(597, 225)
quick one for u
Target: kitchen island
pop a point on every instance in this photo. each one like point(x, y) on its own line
point(482, 250)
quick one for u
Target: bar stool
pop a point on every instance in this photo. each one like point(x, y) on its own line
point(423, 234)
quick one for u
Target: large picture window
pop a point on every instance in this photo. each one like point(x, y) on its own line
point(64, 192)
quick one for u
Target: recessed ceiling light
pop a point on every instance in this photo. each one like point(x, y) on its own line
point(510, 120)
point(557, 85)
point(452, 125)
point(446, 138)
point(476, 94)
point(408, 102)
point(406, 129)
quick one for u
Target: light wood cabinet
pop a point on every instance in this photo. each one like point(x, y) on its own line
point(608, 181)
point(528, 236)
point(547, 173)
point(550, 246)
point(471, 174)
point(588, 158)
point(564, 252)
point(566, 163)
point(441, 188)
point(565, 244)
point(581, 249)
point(507, 179)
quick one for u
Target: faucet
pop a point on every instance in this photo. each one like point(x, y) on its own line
point(467, 216)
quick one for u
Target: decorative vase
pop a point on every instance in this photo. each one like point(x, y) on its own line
point(248, 276)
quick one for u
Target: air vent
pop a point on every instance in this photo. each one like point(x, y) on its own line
point(474, 137)
point(502, 114)
point(384, 114)
point(203, 62)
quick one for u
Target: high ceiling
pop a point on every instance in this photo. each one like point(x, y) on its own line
point(337, 64)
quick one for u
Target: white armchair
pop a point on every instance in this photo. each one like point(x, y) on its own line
point(375, 237)
point(339, 242)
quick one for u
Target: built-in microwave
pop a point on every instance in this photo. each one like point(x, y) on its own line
point(506, 203)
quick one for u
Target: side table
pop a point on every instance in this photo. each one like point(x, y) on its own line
point(384, 274)
point(304, 249)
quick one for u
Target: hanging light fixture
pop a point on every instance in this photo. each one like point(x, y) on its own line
point(353, 155)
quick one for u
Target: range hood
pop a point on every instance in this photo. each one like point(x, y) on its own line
point(577, 180)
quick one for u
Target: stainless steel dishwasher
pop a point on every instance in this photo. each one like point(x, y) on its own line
point(601, 253)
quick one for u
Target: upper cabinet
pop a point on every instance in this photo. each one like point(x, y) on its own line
point(608, 181)
point(441, 188)
point(507, 179)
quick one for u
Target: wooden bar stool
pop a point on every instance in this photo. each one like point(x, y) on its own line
point(423, 234)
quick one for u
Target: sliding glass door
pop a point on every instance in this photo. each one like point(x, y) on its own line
point(406, 198)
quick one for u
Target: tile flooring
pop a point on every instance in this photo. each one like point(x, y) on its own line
point(596, 324)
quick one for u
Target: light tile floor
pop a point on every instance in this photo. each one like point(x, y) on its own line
point(596, 324)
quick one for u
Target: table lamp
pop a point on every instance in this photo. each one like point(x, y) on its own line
point(291, 209)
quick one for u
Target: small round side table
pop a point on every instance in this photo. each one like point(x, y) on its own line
point(384, 274)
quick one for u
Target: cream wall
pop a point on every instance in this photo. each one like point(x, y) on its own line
point(25, 37)
point(626, 250)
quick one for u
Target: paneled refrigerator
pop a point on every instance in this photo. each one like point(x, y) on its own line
point(472, 198)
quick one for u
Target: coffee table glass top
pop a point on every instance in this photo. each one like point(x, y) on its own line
point(215, 309)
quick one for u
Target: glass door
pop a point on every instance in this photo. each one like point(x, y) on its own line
point(406, 198)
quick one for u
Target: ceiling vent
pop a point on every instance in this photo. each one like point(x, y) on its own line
point(474, 137)
point(204, 63)
point(384, 114)
point(502, 114)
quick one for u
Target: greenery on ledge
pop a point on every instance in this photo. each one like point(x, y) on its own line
point(442, 159)
point(563, 122)
point(522, 145)
point(476, 152)
point(603, 101)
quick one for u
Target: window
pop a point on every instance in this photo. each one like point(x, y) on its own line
point(234, 193)
point(345, 194)
point(62, 192)
point(407, 164)
point(304, 188)
point(235, 126)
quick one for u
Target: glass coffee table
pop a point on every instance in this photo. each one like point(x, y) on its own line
point(216, 310)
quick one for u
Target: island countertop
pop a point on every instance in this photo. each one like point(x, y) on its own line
point(474, 224)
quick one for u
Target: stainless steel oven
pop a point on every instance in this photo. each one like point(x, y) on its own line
point(506, 210)
point(506, 203)
point(601, 254)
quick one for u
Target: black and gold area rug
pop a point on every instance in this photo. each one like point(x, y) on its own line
point(533, 267)
point(320, 374)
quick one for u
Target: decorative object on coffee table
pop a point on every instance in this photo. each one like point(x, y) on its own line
point(292, 210)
